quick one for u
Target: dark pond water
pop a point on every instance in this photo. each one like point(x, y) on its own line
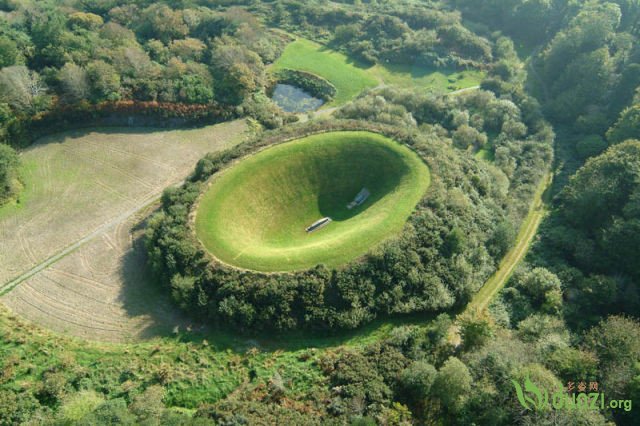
point(293, 99)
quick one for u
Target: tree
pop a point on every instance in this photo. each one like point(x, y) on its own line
point(540, 285)
point(501, 240)
point(238, 70)
point(416, 381)
point(8, 172)
point(23, 89)
point(466, 136)
point(8, 52)
point(475, 330)
point(148, 405)
point(452, 384)
point(590, 146)
point(602, 187)
point(616, 342)
point(88, 21)
point(112, 412)
point(188, 49)
point(79, 405)
point(104, 80)
point(161, 22)
point(627, 126)
point(75, 82)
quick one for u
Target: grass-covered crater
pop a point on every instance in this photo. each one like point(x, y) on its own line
point(255, 214)
point(430, 254)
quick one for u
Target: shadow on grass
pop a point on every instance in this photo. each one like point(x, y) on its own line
point(81, 130)
point(380, 178)
point(141, 295)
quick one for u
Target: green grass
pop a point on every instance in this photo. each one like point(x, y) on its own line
point(348, 78)
point(417, 77)
point(351, 77)
point(255, 214)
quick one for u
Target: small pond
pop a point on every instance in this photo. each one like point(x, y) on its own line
point(293, 99)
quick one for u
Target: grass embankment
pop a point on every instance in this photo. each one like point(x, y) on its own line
point(350, 77)
point(255, 214)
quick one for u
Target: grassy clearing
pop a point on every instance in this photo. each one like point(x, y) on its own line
point(255, 214)
point(77, 181)
point(195, 372)
point(350, 77)
point(417, 77)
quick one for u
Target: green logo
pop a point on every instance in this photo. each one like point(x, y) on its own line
point(534, 398)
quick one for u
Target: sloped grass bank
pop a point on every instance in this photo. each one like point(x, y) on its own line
point(255, 214)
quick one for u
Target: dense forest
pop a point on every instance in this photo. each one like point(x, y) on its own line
point(562, 91)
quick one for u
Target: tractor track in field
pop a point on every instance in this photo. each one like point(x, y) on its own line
point(120, 219)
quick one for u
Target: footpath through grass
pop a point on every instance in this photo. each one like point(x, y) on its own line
point(528, 230)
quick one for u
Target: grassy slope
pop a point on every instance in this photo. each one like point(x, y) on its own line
point(351, 78)
point(255, 214)
point(417, 77)
point(348, 78)
point(197, 371)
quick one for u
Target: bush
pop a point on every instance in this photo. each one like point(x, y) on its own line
point(9, 184)
point(406, 274)
point(311, 83)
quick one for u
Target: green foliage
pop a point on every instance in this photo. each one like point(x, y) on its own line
point(79, 405)
point(402, 276)
point(627, 126)
point(239, 70)
point(316, 86)
point(412, 34)
point(452, 384)
point(475, 331)
point(416, 381)
point(8, 52)
point(590, 146)
point(9, 184)
point(599, 206)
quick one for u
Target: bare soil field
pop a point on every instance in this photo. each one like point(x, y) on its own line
point(74, 237)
